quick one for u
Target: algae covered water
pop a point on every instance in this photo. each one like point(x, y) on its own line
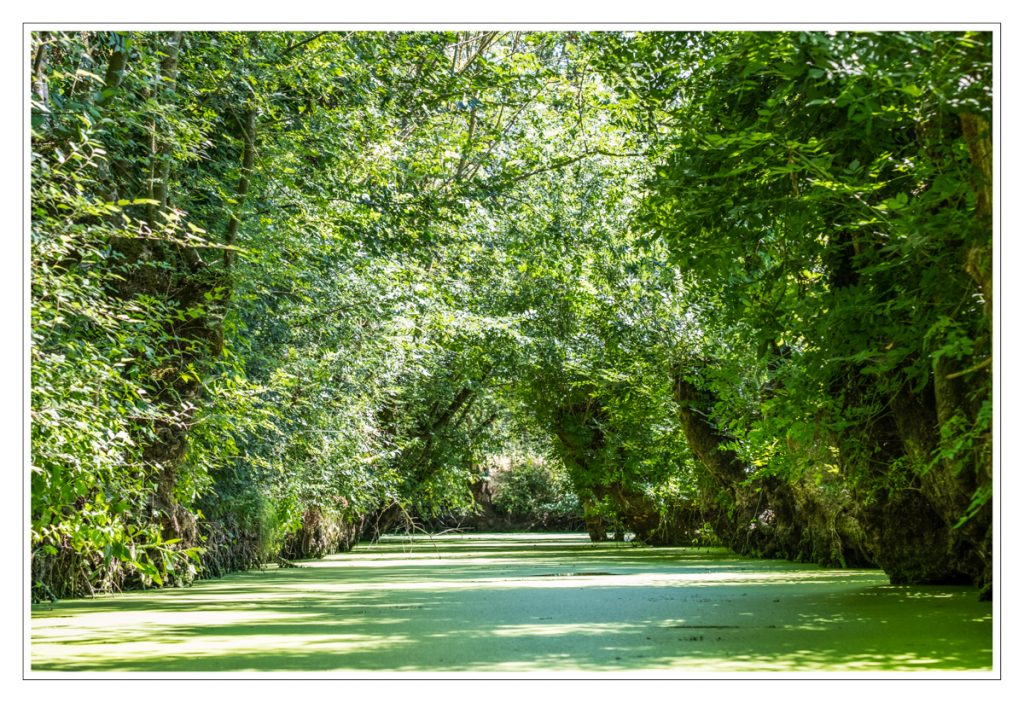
point(523, 603)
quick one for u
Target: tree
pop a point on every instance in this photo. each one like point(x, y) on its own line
point(825, 197)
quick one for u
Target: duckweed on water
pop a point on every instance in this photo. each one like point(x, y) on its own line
point(523, 603)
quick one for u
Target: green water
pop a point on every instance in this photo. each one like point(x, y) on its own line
point(523, 603)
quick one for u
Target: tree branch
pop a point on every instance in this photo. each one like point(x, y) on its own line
point(977, 367)
point(289, 49)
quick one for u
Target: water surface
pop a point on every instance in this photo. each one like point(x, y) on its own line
point(523, 603)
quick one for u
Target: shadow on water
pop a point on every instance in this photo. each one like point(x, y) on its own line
point(517, 603)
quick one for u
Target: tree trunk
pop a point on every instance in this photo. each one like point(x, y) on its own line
point(39, 83)
point(160, 158)
point(116, 65)
point(248, 126)
point(765, 516)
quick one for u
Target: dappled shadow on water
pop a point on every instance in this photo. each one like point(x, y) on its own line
point(563, 609)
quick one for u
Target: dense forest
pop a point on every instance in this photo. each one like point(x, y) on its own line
point(294, 290)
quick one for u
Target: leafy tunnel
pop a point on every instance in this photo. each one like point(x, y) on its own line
point(292, 290)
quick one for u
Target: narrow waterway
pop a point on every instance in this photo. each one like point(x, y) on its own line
point(523, 603)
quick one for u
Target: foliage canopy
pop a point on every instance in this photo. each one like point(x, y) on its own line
point(290, 289)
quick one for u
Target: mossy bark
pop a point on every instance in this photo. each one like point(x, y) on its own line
point(321, 534)
point(608, 506)
point(764, 515)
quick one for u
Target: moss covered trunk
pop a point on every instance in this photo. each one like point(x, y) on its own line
point(764, 515)
point(322, 533)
